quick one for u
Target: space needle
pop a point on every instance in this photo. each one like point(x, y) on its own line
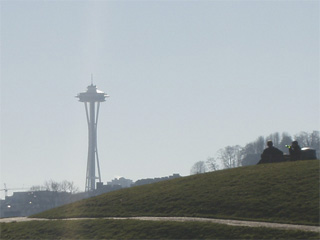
point(92, 99)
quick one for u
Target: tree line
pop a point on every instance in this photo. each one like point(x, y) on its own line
point(64, 186)
point(236, 156)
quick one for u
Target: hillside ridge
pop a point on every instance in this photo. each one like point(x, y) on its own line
point(280, 192)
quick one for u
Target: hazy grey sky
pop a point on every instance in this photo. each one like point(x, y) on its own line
point(185, 78)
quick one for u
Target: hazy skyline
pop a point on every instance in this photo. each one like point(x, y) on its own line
point(185, 78)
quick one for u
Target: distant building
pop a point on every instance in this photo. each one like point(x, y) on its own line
point(22, 204)
point(105, 188)
point(28, 203)
point(154, 180)
point(123, 182)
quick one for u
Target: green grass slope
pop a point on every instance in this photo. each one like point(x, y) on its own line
point(134, 229)
point(281, 192)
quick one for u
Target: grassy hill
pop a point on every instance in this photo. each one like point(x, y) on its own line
point(281, 192)
point(134, 229)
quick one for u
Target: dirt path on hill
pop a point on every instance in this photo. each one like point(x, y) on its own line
point(185, 219)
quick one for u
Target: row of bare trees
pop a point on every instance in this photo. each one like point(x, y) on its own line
point(64, 186)
point(236, 156)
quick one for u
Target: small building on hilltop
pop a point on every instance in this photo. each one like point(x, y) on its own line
point(154, 180)
point(123, 182)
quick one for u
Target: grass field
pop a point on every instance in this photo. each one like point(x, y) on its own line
point(281, 192)
point(134, 229)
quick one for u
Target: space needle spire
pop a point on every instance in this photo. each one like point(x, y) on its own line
point(92, 99)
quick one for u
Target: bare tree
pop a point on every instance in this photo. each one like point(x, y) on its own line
point(230, 156)
point(250, 159)
point(315, 140)
point(249, 155)
point(249, 149)
point(259, 145)
point(233, 156)
point(52, 186)
point(303, 139)
point(286, 139)
point(308, 139)
point(212, 164)
point(72, 188)
point(198, 167)
point(275, 138)
point(64, 186)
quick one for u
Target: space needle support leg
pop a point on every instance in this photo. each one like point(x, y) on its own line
point(87, 187)
point(92, 146)
point(96, 126)
point(86, 107)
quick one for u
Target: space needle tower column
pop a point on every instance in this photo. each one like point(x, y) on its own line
point(91, 99)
